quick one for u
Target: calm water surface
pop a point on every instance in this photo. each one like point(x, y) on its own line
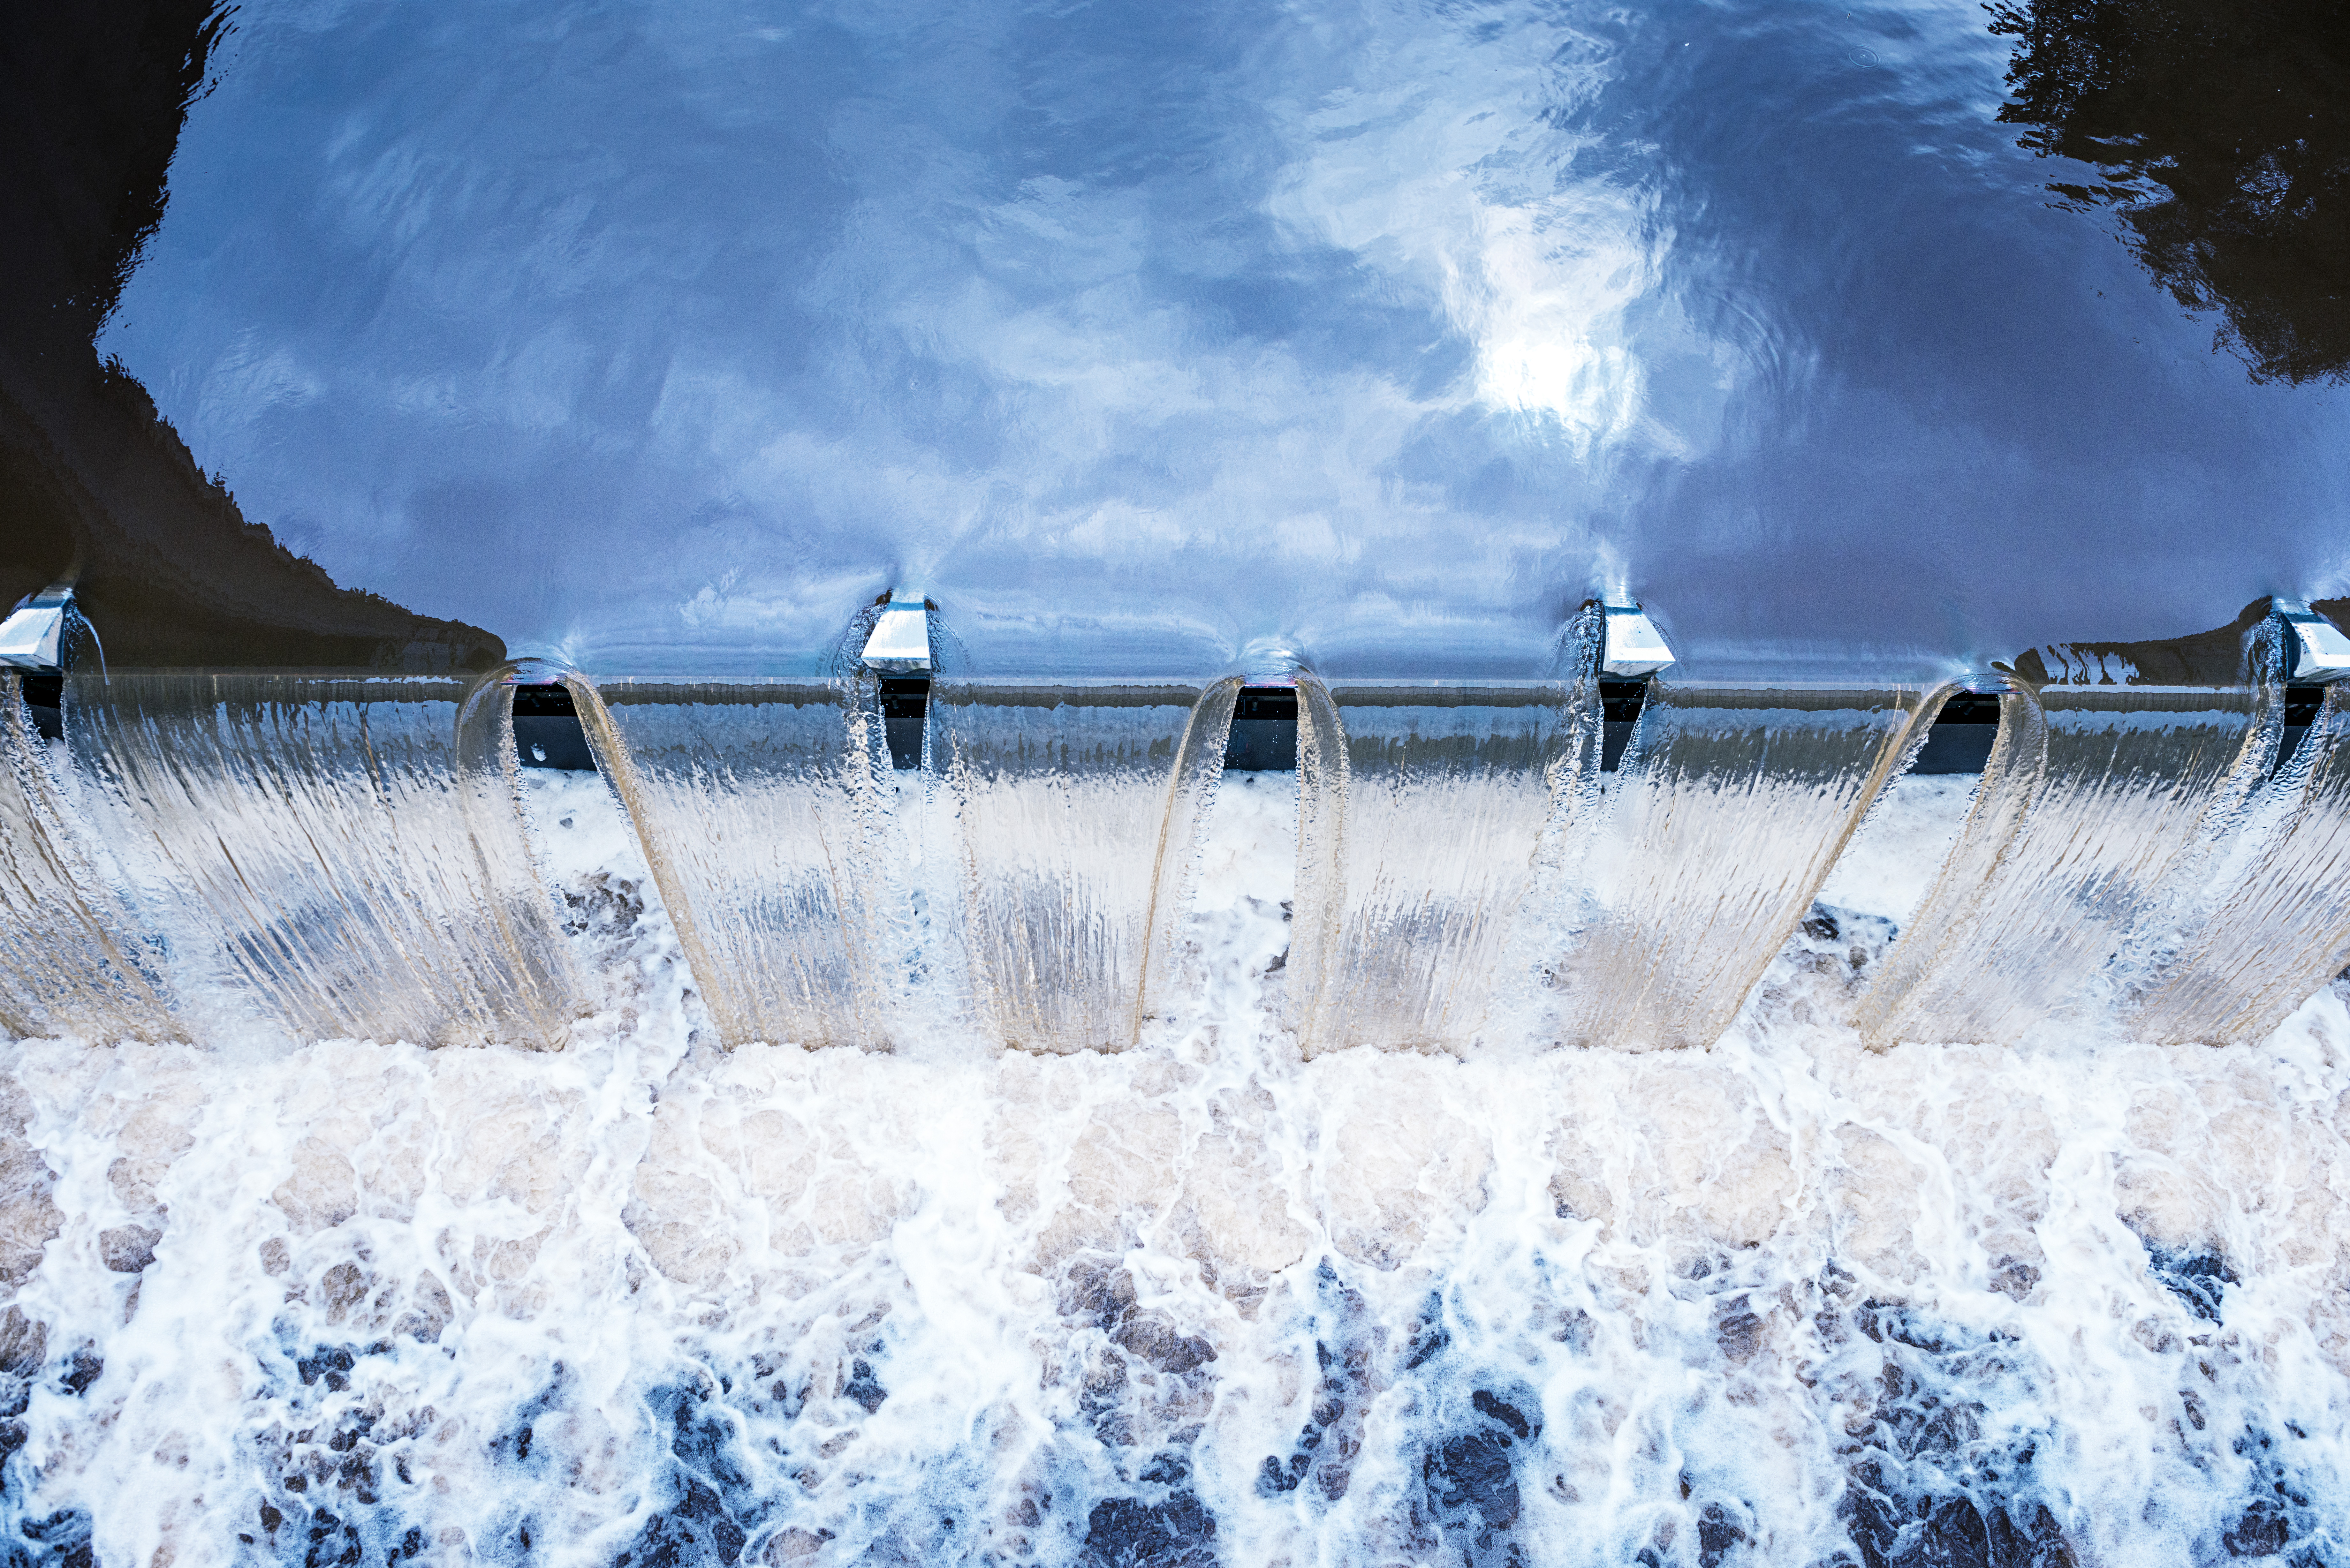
point(661, 336)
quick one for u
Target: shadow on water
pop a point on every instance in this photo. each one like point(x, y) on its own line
point(2221, 130)
point(93, 482)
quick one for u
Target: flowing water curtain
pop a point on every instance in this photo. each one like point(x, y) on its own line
point(1080, 809)
point(352, 848)
point(69, 961)
point(761, 805)
point(1731, 805)
point(2098, 809)
point(2266, 936)
point(1430, 809)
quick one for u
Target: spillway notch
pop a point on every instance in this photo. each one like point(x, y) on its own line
point(1619, 709)
point(44, 701)
point(1264, 737)
point(548, 734)
point(2301, 706)
point(905, 709)
point(1962, 738)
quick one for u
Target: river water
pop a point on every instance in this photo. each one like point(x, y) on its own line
point(660, 336)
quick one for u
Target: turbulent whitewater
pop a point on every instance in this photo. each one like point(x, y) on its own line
point(650, 1301)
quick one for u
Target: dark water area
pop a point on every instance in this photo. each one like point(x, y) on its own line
point(1897, 340)
point(95, 485)
point(2221, 135)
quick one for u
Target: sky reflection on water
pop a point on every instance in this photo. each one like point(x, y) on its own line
point(660, 336)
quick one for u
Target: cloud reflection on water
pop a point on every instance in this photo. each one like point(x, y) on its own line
point(1390, 330)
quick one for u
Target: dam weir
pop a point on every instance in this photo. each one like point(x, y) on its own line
point(1590, 860)
point(1229, 1021)
point(1281, 1118)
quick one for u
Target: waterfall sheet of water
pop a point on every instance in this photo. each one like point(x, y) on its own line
point(762, 808)
point(1078, 809)
point(347, 854)
point(2101, 810)
point(69, 961)
point(2274, 924)
point(1732, 804)
point(1430, 817)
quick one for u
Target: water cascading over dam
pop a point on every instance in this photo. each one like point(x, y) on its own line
point(1433, 822)
point(348, 857)
point(759, 808)
point(1732, 803)
point(2277, 895)
point(1067, 999)
point(1220, 787)
point(71, 964)
point(1078, 814)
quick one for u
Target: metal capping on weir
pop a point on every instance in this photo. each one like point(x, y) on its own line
point(1264, 737)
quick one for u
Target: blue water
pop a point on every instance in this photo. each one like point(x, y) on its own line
point(662, 335)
